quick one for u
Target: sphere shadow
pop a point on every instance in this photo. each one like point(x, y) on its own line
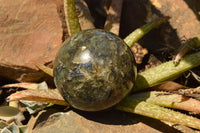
point(115, 117)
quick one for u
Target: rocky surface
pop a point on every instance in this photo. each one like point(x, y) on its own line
point(100, 122)
point(33, 31)
point(30, 31)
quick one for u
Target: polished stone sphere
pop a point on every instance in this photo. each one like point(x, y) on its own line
point(94, 70)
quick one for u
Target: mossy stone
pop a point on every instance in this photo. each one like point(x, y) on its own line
point(94, 70)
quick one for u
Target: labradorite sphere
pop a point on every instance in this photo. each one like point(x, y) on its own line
point(94, 70)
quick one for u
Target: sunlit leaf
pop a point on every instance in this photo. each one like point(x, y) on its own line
point(25, 85)
point(8, 113)
point(47, 96)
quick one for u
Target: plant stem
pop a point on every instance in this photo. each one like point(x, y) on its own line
point(192, 44)
point(71, 17)
point(169, 100)
point(132, 38)
point(130, 104)
point(165, 71)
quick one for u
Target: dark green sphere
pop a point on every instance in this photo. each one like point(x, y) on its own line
point(94, 70)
